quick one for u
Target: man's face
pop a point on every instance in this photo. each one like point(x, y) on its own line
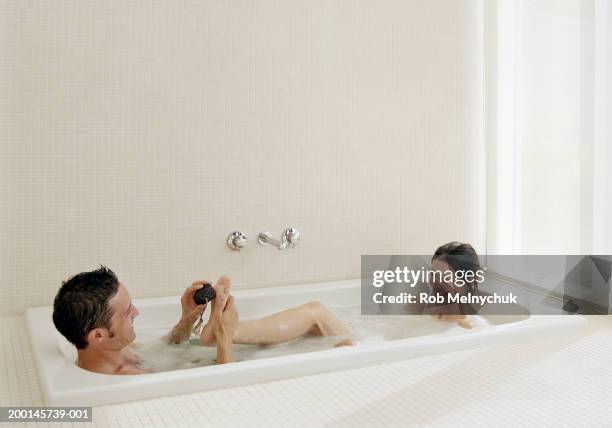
point(122, 321)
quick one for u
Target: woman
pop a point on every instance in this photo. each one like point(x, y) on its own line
point(455, 257)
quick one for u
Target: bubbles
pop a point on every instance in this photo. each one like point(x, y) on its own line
point(160, 356)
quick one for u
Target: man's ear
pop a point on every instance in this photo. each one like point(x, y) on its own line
point(97, 335)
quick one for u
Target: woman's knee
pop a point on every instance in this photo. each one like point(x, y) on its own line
point(314, 306)
point(314, 309)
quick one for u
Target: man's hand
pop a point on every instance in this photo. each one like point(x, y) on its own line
point(190, 311)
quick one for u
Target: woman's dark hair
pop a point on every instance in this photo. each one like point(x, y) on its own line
point(460, 257)
point(81, 304)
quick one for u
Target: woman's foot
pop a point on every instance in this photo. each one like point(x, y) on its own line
point(219, 305)
point(223, 285)
point(345, 342)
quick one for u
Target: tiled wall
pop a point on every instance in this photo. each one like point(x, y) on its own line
point(139, 134)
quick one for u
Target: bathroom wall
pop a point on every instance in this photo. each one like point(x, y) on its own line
point(140, 134)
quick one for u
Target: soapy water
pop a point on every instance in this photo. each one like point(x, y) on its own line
point(159, 355)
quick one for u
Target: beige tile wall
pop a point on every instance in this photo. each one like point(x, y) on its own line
point(139, 134)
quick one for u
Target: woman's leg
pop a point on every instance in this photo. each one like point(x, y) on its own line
point(287, 325)
point(290, 324)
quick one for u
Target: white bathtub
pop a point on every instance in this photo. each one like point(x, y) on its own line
point(65, 384)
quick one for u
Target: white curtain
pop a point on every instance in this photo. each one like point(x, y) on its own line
point(548, 73)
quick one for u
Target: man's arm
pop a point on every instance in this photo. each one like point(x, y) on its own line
point(181, 331)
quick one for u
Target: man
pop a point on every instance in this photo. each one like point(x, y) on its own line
point(94, 311)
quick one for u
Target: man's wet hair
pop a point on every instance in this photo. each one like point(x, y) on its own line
point(81, 304)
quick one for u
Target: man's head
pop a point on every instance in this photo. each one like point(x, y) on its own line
point(94, 308)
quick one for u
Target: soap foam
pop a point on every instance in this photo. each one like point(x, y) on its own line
point(160, 356)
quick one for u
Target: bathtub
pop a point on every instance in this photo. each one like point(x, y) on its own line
point(64, 384)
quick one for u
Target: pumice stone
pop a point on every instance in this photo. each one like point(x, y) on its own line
point(204, 294)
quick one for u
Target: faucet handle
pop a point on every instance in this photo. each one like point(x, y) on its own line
point(236, 240)
point(290, 237)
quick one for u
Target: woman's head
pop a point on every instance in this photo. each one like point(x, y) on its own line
point(456, 256)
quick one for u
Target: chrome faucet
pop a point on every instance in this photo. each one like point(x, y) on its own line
point(289, 239)
point(236, 240)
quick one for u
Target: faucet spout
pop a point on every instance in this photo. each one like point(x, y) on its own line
point(266, 238)
point(289, 239)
